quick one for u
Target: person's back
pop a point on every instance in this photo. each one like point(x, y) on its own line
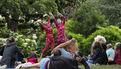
point(9, 53)
point(110, 54)
point(61, 62)
point(98, 54)
point(117, 57)
point(99, 57)
point(32, 58)
point(72, 47)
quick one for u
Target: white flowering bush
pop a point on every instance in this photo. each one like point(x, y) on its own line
point(3, 41)
point(26, 43)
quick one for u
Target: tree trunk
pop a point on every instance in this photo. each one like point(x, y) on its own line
point(11, 23)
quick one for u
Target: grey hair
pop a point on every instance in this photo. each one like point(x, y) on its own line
point(109, 45)
point(100, 38)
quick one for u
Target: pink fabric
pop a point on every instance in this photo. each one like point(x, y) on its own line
point(60, 38)
point(32, 60)
point(117, 57)
point(49, 36)
point(46, 64)
point(48, 41)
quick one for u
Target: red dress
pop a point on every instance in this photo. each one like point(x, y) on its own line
point(60, 38)
point(49, 36)
point(32, 60)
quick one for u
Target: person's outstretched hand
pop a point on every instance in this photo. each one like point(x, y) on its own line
point(51, 14)
point(24, 67)
point(38, 21)
point(53, 50)
point(45, 15)
point(59, 14)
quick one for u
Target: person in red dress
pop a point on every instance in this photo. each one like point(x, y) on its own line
point(60, 38)
point(49, 34)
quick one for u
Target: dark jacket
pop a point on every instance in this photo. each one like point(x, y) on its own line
point(1, 52)
point(60, 62)
point(99, 56)
point(9, 53)
point(104, 47)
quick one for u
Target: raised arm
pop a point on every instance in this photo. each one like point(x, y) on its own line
point(54, 19)
point(46, 15)
point(59, 14)
point(37, 65)
point(42, 25)
point(63, 20)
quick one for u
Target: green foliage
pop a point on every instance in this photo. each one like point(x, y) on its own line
point(26, 43)
point(4, 32)
point(111, 9)
point(16, 11)
point(86, 18)
point(79, 38)
point(64, 3)
point(112, 35)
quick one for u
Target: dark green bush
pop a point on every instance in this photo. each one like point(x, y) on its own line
point(86, 18)
point(112, 35)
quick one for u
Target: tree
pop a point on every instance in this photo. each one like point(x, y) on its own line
point(25, 10)
point(86, 19)
point(111, 33)
point(10, 9)
point(111, 9)
point(67, 7)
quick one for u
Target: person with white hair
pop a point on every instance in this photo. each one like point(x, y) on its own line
point(102, 40)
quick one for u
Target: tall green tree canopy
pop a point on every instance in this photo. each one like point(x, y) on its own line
point(26, 10)
point(86, 19)
point(111, 9)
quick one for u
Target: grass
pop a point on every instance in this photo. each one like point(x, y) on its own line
point(104, 67)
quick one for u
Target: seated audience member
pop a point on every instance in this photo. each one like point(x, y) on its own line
point(98, 54)
point(60, 62)
point(110, 54)
point(32, 59)
point(68, 48)
point(102, 40)
point(20, 57)
point(117, 57)
point(9, 53)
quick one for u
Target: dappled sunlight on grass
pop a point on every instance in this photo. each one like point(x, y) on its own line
point(104, 67)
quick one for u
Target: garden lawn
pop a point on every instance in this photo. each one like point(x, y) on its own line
point(104, 67)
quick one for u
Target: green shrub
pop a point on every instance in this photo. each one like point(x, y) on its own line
point(26, 42)
point(86, 18)
point(112, 35)
point(4, 32)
